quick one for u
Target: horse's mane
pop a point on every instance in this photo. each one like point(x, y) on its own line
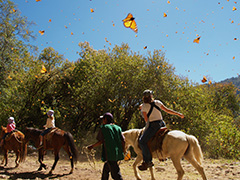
point(35, 131)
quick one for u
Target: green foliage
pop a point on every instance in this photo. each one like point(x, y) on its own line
point(14, 29)
point(224, 139)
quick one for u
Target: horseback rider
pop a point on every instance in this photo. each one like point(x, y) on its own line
point(48, 126)
point(10, 128)
point(150, 110)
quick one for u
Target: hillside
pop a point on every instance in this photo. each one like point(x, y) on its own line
point(235, 81)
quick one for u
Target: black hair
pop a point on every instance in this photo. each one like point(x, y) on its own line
point(109, 119)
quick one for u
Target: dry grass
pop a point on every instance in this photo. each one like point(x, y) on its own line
point(84, 170)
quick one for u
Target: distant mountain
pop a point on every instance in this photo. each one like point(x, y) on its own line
point(235, 81)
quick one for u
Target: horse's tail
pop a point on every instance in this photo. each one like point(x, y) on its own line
point(72, 145)
point(195, 148)
point(23, 151)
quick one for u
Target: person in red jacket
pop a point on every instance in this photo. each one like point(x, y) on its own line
point(10, 127)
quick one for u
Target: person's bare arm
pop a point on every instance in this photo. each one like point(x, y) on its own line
point(145, 116)
point(170, 111)
point(94, 145)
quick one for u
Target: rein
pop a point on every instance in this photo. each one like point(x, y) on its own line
point(90, 155)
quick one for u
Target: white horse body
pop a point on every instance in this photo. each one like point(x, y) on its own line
point(176, 145)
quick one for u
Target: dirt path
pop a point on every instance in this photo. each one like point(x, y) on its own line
point(215, 169)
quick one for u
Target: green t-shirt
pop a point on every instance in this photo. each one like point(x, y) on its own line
point(112, 146)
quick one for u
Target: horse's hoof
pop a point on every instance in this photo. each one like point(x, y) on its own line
point(17, 165)
point(44, 166)
point(50, 172)
point(71, 171)
point(39, 169)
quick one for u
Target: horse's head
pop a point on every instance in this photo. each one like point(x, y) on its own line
point(32, 134)
point(3, 131)
point(131, 137)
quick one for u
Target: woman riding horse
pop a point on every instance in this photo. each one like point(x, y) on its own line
point(153, 117)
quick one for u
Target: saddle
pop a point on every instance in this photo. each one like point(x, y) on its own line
point(155, 143)
point(18, 135)
point(9, 136)
point(48, 136)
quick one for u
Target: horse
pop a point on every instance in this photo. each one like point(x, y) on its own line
point(175, 145)
point(56, 141)
point(15, 142)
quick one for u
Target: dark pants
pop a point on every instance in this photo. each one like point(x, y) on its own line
point(45, 131)
point(146, 136)
point(113, 168)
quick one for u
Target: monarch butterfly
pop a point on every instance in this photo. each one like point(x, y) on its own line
point(41, 32)
point(111, 100)
point(204, 79)
point(43, 70)
point(129, 22)
point(127, 156)
point(197, 40)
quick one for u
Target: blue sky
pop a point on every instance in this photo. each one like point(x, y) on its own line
point(217, 55)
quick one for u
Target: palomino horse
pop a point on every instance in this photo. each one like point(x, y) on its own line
point(57, 140)
point(175, 145)
point(15, 142)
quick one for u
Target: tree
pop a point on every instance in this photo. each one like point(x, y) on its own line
point(14, 55)
point(14, 30)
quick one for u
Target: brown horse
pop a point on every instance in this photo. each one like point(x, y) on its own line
point(15, 142)
point(55, 142)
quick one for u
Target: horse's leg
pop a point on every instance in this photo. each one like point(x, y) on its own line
point(66, 148)
point(151, 172)
point(6, 157)
point(3, 160)
point(195, 164)
point(17, 152)
point(136, 162)
point(178, 166)
point(40, 159)
point(56, 153)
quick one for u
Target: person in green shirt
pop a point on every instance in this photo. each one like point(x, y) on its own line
point(112, 140)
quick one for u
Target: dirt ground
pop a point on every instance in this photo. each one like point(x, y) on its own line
point(91, 170)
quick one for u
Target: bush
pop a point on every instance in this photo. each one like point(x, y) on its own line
point(224, 139)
